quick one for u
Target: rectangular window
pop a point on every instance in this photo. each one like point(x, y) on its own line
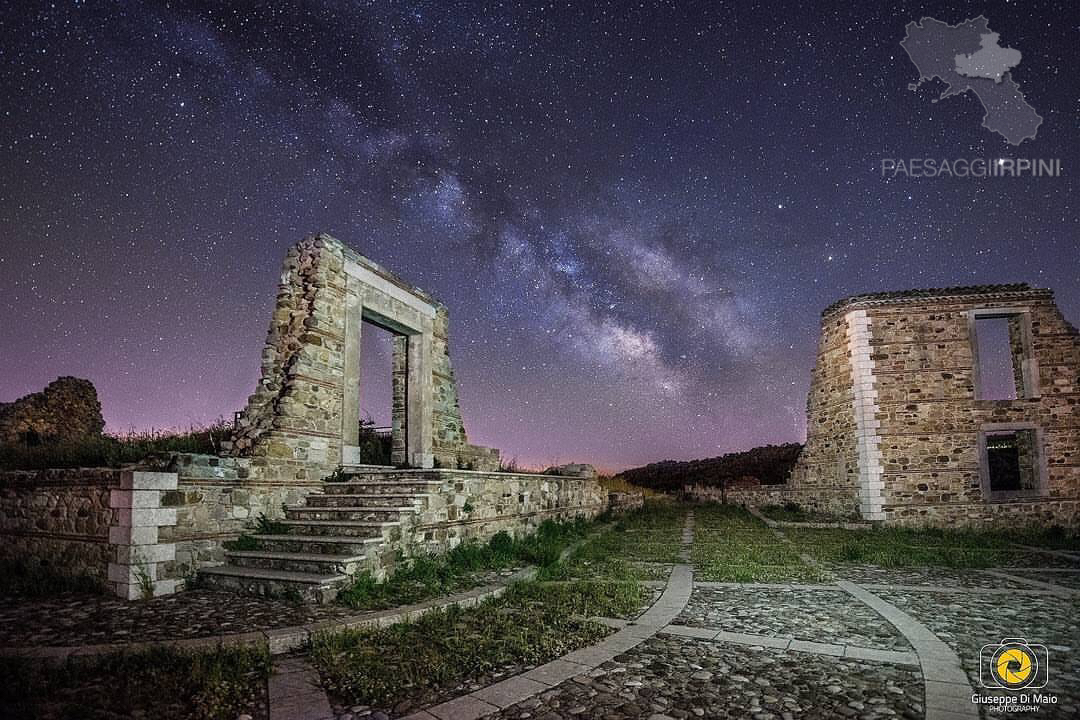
point(1004, 367)
point(997, 378)
point(1010, 463)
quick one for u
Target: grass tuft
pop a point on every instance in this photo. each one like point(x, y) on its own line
point(159, 682)
point(428, 576)
point(19, 578)
point(531, 624)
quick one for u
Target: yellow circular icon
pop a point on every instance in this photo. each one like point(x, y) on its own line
point(1014, 666)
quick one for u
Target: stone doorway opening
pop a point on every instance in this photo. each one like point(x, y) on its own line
point(379, 352)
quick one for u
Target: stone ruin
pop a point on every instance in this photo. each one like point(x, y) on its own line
point(291, 480)
point(306, 408)
point(67, 409)
point(908, 421)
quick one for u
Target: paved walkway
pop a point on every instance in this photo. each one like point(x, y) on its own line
point(734, 650)
point(295, 692)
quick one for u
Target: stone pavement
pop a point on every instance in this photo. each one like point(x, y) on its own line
point(198, 619)
point(876, 644)
point(295, 691)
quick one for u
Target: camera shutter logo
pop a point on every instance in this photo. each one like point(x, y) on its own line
point(1013, 664)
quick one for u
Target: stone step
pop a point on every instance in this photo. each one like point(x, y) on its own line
point(312, 587)
point(353, 512)
point(349, 528)
point(312, 563)
point(391, 500)
point(382, 487)
point(318, 544)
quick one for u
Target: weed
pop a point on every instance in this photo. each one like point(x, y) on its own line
point(339, 475)
point(159, 682)
point(426, 576)
point(243, 543)
point(19, 578)
point(531, 624)
point(145, 582)
point(266, 526)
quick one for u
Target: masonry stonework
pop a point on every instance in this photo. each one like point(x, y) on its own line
point(303, 418)
point(896, 423)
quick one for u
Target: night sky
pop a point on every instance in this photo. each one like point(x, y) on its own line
point(634, 212)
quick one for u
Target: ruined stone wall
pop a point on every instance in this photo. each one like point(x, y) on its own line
point(894, 421)
point(299, 411)
point(218, 499)
point(930, 419)
point(471, 505)
point(67, 409)
point(58, 518)
point(213, 503)
point(825, 476)
point(101, 523)
point(840, 502)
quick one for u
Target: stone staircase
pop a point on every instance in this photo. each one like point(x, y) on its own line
point(348, 527)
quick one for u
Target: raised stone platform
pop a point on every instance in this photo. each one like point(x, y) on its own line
point(372, 517)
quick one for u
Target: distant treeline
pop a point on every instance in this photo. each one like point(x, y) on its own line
point(769, 465)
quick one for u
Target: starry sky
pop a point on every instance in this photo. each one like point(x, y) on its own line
point(635, 212)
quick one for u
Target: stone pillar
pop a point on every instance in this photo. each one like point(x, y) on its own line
point(419, 413)
point(868, 441)
point(134, 536)
point(350, 389)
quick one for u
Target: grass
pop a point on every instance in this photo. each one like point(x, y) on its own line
point(637, 546)
point(531, 624)
point(159, 682)
point(619, 484)
point(114, 450)
point(407, 665)
point(431, 576)
point(731, 545)
point(34, 580)
point(929, 547)
point(791, 512)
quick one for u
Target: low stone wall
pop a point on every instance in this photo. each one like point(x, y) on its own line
point(218, 499)
point(1036, 512)
point(838, 502)
point(140, 530)
point(58, 518)
point(471, 505)
point(620, 502)
point(102, 523)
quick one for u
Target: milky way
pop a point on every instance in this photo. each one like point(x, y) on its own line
point(635, 213)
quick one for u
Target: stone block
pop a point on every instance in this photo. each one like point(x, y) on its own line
point(127, 535)
point(134, 498)
point(135, 554)
point(142, 480)
point(130, 574)
point(142, 517)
